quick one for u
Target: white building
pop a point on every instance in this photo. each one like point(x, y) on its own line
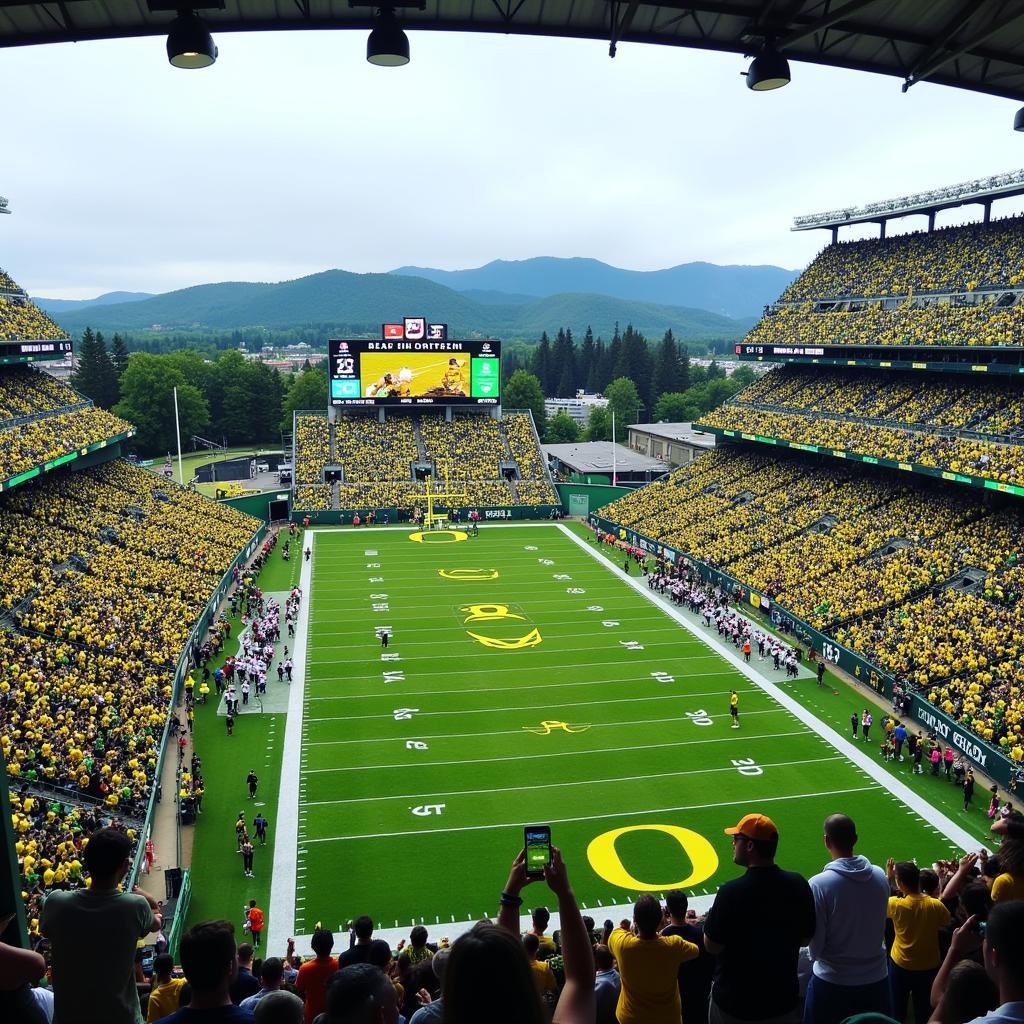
point(674, 444)
point(577, 408)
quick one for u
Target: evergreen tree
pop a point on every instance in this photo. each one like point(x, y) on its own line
point(666, 367)
point(611, 359)
point(540, 365)
point(119, 356)
point(585, 360)
point(684, 369)
point(95, 377)
point(595, 368)
point(563, 365)
point(635, 363)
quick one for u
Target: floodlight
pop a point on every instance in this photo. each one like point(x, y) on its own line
point(387, 45)
point(189, 43)
point(768, 70)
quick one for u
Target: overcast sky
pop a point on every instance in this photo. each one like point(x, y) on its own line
point(292, 155)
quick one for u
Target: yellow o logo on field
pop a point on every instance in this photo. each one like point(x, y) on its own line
point(604, 858)
point(531, 639)
point(439, 536)
point(468, 574)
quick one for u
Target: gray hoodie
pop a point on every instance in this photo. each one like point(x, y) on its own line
point(851, 898)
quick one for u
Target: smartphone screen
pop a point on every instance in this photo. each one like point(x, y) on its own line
point(538, 849)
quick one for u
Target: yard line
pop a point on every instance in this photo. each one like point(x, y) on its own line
point(543, 686)
point(632, 747)
point(899, 790)
point(459, 622)
point(489, 672)
point(512, 732)
point(535, 707)
point(559, 785)
point(675, 645)
point(745, 802)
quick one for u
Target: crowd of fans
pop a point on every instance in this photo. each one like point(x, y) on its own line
point(966, 455)
point(866, 557)
point(914, 322)
point(467, 453)
point(944, 942)
point(103, 574)
point(312, 449)
point(22, 319)
point(952, 259)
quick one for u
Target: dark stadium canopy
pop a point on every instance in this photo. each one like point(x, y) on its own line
point(970, 44)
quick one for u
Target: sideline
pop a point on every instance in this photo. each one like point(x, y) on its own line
point(931, 816)
point(286, 840)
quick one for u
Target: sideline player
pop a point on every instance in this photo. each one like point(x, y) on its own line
point(734, 708)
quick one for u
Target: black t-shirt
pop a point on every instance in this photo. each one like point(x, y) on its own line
point(762, 919)
point(357, 954)
point(694, 975)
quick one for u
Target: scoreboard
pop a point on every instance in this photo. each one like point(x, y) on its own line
point(29, 351)
point(414, 370)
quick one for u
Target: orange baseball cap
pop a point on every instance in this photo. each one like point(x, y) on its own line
point(755, 826)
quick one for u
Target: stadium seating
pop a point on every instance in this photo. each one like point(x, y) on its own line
point(865, 556)
point(888, 415)
point(22, 319)
point(957, 259)
point(377, 460)
point(312, 448)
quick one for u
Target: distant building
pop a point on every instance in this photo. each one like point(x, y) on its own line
point(590, 459)
point(577, 408)
point(673, 444)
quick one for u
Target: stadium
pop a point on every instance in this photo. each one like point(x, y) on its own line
point(335, 712)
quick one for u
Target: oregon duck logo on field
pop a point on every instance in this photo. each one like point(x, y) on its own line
point(547, 728)
point(605, 860)
point(439, 536)
point(468, 574)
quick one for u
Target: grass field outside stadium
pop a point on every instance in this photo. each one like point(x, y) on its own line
point(526, 681)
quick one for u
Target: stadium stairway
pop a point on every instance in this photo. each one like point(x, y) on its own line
point(421, 448)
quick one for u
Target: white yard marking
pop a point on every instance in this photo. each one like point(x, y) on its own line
point(286, 844)
point(931, 815)
point(565, 753)
point(733, 765)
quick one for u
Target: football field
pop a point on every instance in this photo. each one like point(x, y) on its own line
point(527, 681)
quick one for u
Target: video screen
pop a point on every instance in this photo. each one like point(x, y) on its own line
point(403, 372)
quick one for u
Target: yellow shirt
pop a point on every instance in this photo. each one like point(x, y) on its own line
point(163, 1000)
point(1007, 887)
point(917, 920)
point(543, 976)
point(650, 976)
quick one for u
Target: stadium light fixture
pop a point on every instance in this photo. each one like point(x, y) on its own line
point(189, 43)
point(1018, 121)
point(387, 45)
point(768, 70)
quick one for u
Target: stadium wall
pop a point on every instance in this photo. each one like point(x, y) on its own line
point(986, 757)
point(594, 496)
point(502, 513)
point(256, 505)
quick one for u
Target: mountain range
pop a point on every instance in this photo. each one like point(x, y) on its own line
point(503, 299)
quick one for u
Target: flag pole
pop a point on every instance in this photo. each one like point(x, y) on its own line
point(177, 434)
point(614, 476)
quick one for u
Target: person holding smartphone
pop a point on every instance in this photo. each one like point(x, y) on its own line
point(576, 1005)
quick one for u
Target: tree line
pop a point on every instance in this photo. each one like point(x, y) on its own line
point(230, 400)
point(236, 401)
point(641, 382)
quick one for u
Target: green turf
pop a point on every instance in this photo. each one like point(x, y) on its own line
point(833, 705)
point(639, 761)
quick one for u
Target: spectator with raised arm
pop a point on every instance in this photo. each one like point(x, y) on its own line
point(576, 1002)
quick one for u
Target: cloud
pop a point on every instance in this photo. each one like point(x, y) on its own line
point(293, 155)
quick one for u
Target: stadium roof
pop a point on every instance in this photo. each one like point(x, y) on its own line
point(961, 43)
point(596, 457)
point(683, 432)
point(981, 190)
